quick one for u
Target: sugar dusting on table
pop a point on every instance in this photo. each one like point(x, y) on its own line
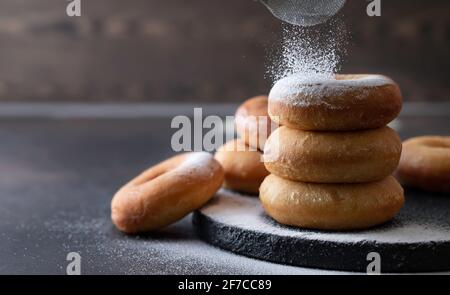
point(173, 250)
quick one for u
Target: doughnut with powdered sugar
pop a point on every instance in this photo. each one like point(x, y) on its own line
point(339, 103)
point(166, 192)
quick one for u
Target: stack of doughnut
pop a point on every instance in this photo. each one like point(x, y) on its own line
point(241, 158)
point(331, 161)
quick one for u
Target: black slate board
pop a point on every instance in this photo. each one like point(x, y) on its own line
point(417, 240)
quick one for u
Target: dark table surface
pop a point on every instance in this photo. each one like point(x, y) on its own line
point(57, 177)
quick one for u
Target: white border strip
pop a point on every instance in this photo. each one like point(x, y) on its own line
point(160, 110)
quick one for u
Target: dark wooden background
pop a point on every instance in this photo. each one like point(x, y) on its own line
point(200, 50)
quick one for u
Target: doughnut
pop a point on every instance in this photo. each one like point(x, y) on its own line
point(244, 169)
point(333, 157)
point(425, 163)
point(340, 103)
point(253, 123)
point(331, 206)
point(166, 192)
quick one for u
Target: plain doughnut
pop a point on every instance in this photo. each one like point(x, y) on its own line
point(253, 123)
point(342, 103)
point(333, 157)
point(331, 206)
point(425, 163)
point(243, 167)
point(166, 192)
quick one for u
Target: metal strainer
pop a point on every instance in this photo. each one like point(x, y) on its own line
point(304, 12)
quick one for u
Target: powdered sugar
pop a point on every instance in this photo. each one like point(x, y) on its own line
point(308, 55)
point(304, 90)
point(174, 250)
point(310, 51)
point(200, 162)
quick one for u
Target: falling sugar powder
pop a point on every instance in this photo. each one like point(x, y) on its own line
point(307, 53)
point(310, 51)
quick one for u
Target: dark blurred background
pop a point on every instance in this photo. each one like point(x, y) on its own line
point(200, 50)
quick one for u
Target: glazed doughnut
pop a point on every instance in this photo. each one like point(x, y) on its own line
point(166, 192)
point(425, 163)
point(333, 157)
point(331, 206)
point(253, 123)
point(244, 169)
point(342, 103)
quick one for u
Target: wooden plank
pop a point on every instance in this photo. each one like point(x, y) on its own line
point(150, 50)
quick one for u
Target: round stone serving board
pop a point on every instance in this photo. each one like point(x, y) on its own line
point(417, 240)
